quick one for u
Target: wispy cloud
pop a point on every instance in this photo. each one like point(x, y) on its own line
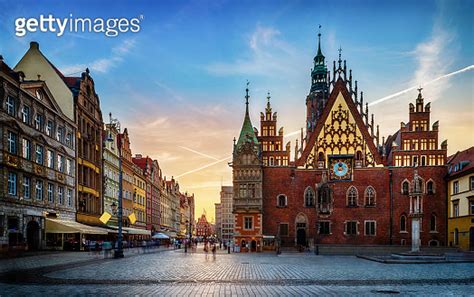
point(103, 65)
point(268, 54)
point(434, 58)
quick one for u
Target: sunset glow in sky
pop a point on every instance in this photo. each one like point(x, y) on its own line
point(178, 85)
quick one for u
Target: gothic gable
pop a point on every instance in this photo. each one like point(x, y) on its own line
point(340, 131)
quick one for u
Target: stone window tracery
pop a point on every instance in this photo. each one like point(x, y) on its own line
point(352, 196)
point(370, 196)
point(309, 197)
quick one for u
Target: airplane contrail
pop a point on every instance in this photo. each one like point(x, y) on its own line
point(293, 133)
point(203, 167)
point(199, 153)
point(470, 67)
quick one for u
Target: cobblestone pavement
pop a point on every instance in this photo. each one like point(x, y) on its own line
point(233, 290)
point(174, 273)
point(176, 266)
point(57, 258)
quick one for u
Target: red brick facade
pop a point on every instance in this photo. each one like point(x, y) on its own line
point(345, 186)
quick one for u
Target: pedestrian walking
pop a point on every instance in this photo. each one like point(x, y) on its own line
point(97, 246)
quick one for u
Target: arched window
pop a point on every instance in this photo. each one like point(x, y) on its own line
point(352, 196)
point(281, 201)
point(405, 187)
point(433, 222)
point(359, 155)
point(369, 196)
point(456, 236)
point(430, 187)
point(403, 223)
point(309, 197)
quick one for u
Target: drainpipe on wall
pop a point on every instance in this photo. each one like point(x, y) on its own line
point(391, 206)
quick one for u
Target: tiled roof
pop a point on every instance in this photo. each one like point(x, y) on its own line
point(461, 162)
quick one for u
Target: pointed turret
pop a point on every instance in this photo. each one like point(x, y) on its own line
point(247, 133)
point(319, 91)
point(319, 72)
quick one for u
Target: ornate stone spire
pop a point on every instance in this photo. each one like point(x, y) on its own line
point(319, 72)
point(247, 133)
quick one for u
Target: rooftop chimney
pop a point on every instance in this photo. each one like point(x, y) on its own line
point(34, 45)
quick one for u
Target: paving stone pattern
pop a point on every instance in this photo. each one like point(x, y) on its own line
point(174, 273)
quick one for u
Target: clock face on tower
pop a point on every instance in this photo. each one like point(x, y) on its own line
point(340, 168)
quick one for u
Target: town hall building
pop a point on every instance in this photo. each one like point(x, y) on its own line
point(345, 183)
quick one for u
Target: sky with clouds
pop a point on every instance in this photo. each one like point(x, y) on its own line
point(178, 84)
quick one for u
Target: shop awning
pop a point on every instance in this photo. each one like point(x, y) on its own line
point(171, 234)
point(63, 226)
point(114, 230)
point(135, 231)
point(160, 236)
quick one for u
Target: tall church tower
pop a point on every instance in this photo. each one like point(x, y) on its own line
point(319, 92)
point(247, 177)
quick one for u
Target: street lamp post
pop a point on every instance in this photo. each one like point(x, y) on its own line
point(116, 124)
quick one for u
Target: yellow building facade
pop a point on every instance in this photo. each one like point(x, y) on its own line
point(461, 200)
point(139, 198)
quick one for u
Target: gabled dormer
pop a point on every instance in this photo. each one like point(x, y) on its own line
point(34, 63)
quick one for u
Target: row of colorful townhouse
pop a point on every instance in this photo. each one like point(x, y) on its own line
point(59, 166)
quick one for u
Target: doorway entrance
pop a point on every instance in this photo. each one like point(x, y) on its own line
point(32, 235)
point(253, 246)
point(301, 223)
point(301, 237)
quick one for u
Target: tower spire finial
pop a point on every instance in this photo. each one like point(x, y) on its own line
point(340, 60)
point(319, 42)
point(247, 94)
point(319, 35)
point(268, 102)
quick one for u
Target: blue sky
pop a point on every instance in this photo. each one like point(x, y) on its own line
point(180, 81)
